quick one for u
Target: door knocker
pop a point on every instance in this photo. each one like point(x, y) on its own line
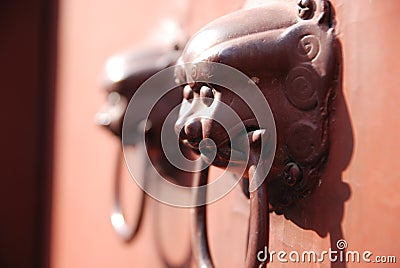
point(125, 72)
point(289, 52)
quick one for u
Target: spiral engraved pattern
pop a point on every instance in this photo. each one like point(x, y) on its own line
point(301, 87)
point(309, 46)
point(303, 142)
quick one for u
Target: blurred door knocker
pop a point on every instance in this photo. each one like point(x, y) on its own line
point(124, 73)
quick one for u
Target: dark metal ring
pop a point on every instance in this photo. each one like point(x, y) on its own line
point(258, 225)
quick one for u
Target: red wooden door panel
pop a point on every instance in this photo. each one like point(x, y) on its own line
point(358, 199)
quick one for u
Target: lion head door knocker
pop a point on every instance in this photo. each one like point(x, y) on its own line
point(288, 51)
point(125, 73)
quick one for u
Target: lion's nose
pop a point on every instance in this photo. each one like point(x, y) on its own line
point(192, 132)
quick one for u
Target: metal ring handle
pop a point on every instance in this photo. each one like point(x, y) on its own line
point(258, 225)
point(201, 250)
point(123, 230)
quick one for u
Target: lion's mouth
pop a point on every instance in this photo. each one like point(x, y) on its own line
point(231, 149)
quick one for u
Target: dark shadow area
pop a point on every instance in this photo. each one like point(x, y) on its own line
point(28, 53)
point(323, 210)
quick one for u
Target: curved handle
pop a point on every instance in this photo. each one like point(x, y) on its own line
point(258, 225)
point(125, 231)
point(201, 250)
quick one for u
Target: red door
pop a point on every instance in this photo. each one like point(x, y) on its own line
point(358, 200)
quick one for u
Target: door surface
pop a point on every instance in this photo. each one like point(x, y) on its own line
point(358, 200)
